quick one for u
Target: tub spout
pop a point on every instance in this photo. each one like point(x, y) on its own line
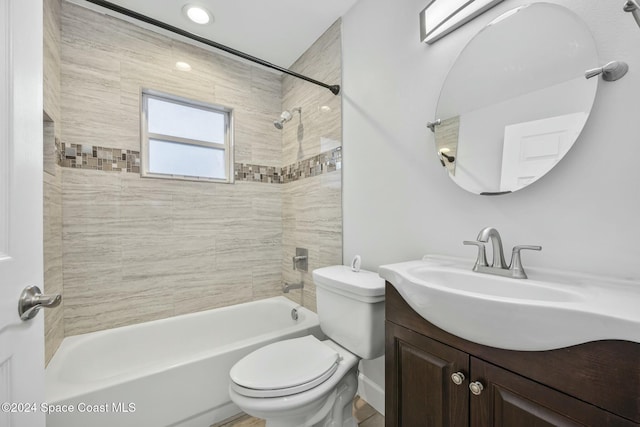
point(290, 286)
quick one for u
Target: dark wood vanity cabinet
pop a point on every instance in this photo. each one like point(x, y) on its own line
point(419, 391)
point(422, 391)
point(594, 384)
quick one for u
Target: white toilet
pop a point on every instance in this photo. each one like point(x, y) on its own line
point(308, 382)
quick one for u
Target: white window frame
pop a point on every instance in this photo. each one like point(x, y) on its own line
point(145, 136)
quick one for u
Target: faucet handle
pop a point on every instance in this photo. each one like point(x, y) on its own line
point(517, 271)
point(481, 261)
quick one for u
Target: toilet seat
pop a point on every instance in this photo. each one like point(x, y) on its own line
point(284, 368)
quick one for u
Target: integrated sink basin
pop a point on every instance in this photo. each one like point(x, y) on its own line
point(549, 310)
point(470, 283)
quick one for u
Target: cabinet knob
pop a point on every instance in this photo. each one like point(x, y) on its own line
point(457, 378)
point(476, 387)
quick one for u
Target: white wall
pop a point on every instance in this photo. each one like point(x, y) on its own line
point(398, 201)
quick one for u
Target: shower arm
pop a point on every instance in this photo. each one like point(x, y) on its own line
point(633, 7)
point(335, 89)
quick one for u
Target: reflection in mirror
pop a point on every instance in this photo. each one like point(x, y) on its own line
point(516, 99)
point(447, 141)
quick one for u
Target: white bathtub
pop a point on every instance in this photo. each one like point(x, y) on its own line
point(170, 372)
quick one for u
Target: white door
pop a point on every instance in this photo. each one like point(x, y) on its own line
point(21, 343)
point(531, 149)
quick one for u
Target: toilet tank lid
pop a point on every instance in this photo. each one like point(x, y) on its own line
point(342, 278)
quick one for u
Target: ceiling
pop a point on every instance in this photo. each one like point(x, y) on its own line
point(278, 31)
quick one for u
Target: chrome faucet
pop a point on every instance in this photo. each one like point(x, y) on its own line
point(496, 242)
point(498, 265)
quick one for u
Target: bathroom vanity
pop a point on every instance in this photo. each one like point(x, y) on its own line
point(434, 378)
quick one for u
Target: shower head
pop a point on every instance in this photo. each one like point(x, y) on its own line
point(630, 6)
point(633, 7)
point(285, 117)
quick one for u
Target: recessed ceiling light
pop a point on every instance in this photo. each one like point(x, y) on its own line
point(444, 150)
point(325, 108)
point(197, 14)
point(183, 66)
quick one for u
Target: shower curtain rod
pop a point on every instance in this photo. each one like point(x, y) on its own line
point(335, 89)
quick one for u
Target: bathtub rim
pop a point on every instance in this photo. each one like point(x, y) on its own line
point(65, 390)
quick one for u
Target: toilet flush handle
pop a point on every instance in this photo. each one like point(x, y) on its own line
point(355, 263)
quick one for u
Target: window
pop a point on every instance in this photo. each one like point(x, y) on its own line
point(184, 139)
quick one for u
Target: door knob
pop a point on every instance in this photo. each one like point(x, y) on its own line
point(32, 300)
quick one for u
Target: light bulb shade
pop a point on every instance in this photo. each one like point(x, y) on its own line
point(197, 14)
point(441, 17)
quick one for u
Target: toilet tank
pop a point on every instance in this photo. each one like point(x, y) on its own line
point(351, 309)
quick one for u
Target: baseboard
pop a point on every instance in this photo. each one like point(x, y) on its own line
point(213, 417)
point(372, 393)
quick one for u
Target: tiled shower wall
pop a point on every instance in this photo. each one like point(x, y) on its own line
point(52, 177)
point(312, 208)
point(139, 249)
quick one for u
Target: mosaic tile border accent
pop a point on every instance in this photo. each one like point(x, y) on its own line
point(257, 173)
point(79, 156)
point(322, 163)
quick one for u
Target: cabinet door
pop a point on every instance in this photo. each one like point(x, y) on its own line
point(420, 391)
point(509, 400)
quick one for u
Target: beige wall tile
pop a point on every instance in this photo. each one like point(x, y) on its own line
point(49, 146)
point(52, 185)
point(267, 281)
point(163, 237)
point(106, 63)
point(52, 227)
point(312, 219)
point(322, 61)
point(312, 207)
point(217, 289)
point(128, 238)
point(153, 248)
point(109, 304)
point(51, 59)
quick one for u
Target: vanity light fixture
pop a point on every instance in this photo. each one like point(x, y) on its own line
point(197, 14)
point(441, 17)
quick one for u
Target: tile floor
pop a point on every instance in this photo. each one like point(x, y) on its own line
point(363, 412)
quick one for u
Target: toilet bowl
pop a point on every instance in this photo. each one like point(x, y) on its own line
point(313, 397)
point(307, 382)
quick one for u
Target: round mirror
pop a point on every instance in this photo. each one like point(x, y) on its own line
point(516, 99)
